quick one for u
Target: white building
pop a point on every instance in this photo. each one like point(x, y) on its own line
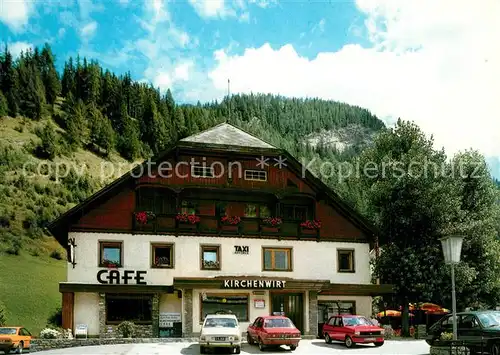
point(132, 257)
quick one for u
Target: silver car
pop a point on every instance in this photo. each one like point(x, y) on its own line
point(220, 331)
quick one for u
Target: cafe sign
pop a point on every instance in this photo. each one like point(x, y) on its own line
point(114, 277)
point(242, 283)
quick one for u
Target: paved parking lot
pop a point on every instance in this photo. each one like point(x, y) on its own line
point(309, 347)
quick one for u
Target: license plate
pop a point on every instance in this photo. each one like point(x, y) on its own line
point(370, 339)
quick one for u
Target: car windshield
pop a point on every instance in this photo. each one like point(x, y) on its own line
point(489, 320)
point(221, 322)
point(8, 331)
point(278, 323)
point(351, 321)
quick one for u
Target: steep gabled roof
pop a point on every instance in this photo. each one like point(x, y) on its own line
point(227, 135)
point(235, 140)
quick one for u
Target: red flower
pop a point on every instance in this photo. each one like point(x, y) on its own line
point(187, 218)
point(272, 221)
point(233, 220)
point(143, 216)
point(314, 224)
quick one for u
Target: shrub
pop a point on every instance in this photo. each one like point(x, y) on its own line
point(15, 246)
point(446, 336)
point(55, 319)
point(388, 332)
point(2, 318)
point(127, 329)
point(49, 333)
point(56, 254)
point(66, 333)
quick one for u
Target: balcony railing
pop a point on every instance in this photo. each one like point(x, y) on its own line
point(212, 225)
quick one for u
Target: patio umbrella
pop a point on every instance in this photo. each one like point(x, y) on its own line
point(390, 313)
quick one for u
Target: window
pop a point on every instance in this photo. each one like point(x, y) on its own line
point(210, 257)
point(156, 200)
point(345, 260)
point(202, 171)
point(254, 210)
point(162, 256)
point(189, 207)
point(298, 213)
point(110, 253)
point(256, 175)
point(233, 303)
point(277, 259)
point(128, 307)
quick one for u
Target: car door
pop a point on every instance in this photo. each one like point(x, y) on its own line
point(328, 327)
point(253, 329)
point(336, 321)
point(469, 330)
point(25, 337)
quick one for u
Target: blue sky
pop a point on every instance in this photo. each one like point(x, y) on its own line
point(425, 61)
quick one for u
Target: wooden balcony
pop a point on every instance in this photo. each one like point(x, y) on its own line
point(212, 226)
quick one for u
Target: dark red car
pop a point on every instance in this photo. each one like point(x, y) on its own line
point(273, 331)
point(352, 329)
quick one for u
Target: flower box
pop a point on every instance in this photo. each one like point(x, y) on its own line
point(307, 231)
point(272, 221)
point(269, 229)
point(209, 264)
point(185, 218)
point(311, 224)
point(230, 228)
point(230, 220)
point(144, 217)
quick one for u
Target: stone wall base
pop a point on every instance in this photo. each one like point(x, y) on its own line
point(46, 344)
point(448, 350)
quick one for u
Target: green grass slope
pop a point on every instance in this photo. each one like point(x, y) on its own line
point(29, 275)
point(29, 291)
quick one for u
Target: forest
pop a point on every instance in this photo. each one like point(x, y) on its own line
point(87, 107)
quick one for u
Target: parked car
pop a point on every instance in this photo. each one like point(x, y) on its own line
point(220, 331)
point(14, 338)
point(351, 330)
point(479, 330)
point(273, 331)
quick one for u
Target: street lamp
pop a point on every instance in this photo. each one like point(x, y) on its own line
point(452, 248)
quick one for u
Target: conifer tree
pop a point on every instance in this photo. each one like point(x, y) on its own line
point(77, 129)
point(9, 82)
point(50, 76)
point(4, 107)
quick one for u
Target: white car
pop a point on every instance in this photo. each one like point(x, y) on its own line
point(220, 331)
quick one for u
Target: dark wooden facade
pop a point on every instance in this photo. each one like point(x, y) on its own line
point(170, 190)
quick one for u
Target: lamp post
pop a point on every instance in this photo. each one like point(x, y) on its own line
point(452, 248)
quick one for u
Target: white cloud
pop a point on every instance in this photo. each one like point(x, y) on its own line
point(61, 32)
point(435, 63)
point(209, 8)
point(162, 80)
point(181, 71)
point(16, 48)
point(15, 13)
point(263, 3)
point(245, 17)
point(88, 30)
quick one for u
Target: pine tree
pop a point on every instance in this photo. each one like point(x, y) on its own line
point(4, 106)
point(101, 133)
point(77, 129)
point(9, 82)
point(50, 77)
point(129, 144)
point(31, 89)
point(49, 146)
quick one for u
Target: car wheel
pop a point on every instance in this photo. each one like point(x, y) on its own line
point(293, 347)
point(249, 339)
point(348, 342)
point(261, 345)
point(379, 343)
point(20, 348)
point(495, 349)
point(328, 340)
point(237, 350)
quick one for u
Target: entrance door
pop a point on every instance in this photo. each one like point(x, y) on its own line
point(290, 305)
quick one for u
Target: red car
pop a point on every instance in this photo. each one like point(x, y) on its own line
point(352, 329)
point(273, 331)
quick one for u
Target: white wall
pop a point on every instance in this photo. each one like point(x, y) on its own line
point(311, 260)
point(363, 303)
point(86, 311)
point(170, 303)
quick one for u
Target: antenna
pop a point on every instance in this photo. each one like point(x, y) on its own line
point(228, 100)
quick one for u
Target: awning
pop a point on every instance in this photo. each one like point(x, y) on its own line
point(106, 288)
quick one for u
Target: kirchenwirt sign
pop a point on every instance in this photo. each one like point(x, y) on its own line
point(253, 283)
